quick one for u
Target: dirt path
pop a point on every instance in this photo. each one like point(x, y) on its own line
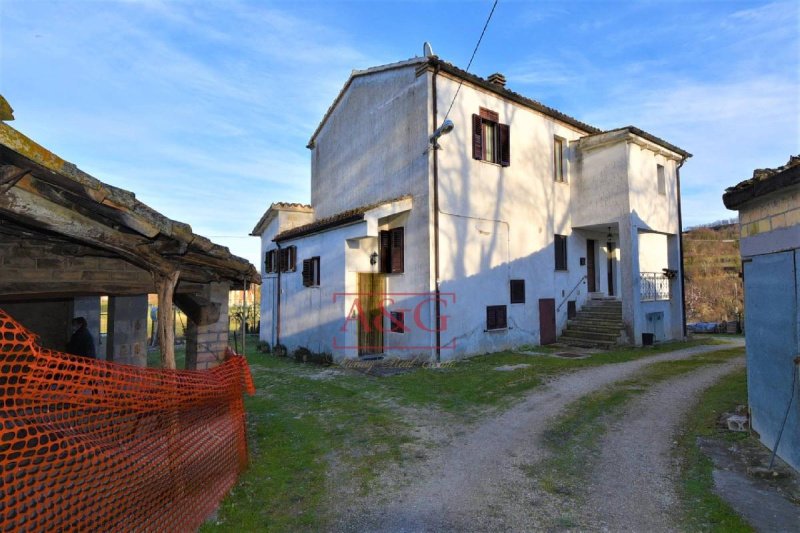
point(632, 486)
point(478, 481)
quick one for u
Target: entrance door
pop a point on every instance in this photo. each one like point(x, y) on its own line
point(547, 321)
point(371, 292)
point(612, 253)
point(590, 273)
point(771, 324)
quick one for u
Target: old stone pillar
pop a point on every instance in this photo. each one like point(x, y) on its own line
point(207, 327)
point(127, 330)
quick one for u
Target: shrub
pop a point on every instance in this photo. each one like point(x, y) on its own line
point(280, 350)
point(263, 347)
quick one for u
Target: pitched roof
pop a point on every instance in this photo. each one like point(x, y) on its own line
point(334, 221)
point(434, 62)
point(269, 214)
point(764, 181)
point(648, 136)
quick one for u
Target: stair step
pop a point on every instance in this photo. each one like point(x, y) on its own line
point(590, 328)
point(610, 337)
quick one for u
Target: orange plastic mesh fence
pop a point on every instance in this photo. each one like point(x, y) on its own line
point(89, 445)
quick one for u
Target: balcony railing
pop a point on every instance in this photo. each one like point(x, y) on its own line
point(654, 286)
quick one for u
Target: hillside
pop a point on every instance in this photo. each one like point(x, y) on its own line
point(712, 269)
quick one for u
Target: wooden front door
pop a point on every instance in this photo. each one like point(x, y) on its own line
point(547, 321)
point(371, 292)
point(590, 272)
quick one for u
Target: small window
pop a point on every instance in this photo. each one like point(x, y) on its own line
point(491, 141)
point(271, 262)
point(398, 320)
point(662, 180)
point(561, 252)
point(496, 317)
point(391, 244)
point(558, 159)
point(287, 259)
point(517, 291)
point(311, 272)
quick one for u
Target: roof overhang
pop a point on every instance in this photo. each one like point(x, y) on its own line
point(633, 135)
point(739, 195)
point(372, 214)
point(56, 201)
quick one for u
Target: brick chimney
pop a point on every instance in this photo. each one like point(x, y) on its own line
point(497, 79)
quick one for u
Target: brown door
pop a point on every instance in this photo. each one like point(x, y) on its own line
point(590, 274)
point(612, 252)
point(547, 321)
point(371, 292)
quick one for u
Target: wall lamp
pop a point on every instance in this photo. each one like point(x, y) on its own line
point(446, 127)
point(373, 258)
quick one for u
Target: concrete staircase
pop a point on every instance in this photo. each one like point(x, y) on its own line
point(597, 325)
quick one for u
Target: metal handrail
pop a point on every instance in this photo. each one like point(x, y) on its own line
point(570, 293)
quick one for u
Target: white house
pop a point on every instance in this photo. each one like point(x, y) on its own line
point(500, 226)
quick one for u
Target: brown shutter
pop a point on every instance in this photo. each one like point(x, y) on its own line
point(283, 259)
point(292, 266)
point(308, 272)
point(317, 279)
point(477, 137)
point(504, 134)
point(269, 261)
point(384, 252)
point(397, 250)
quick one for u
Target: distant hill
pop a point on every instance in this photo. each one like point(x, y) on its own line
point(712, 267)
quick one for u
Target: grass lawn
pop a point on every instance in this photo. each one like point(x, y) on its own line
point(704, 510)
point(298, 424)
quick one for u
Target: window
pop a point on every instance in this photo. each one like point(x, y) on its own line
point(517, 291)
point(558, 159)
point(287, 259)
point(391, 251)
point(496, 317)
point(491, 141)
point(271, 261)
point(662, 180)
point(398, 320)
point(561, 252)
point(311, 272)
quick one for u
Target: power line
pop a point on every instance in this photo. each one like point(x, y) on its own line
point(471, 58)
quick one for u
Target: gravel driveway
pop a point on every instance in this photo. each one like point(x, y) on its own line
point(632, 486)
point(477, 482)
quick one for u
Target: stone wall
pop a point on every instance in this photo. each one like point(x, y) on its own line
point(205, 344)
point(772, 213)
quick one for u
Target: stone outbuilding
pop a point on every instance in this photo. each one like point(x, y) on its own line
point(67, 238)
point(769, 220)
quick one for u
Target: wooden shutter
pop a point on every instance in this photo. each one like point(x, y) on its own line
point(308, 272)
point(496, 317)
point(384, 252)
point(477, 137)
point(292, 258)
point(517, 290)
point(283, 260)
point(396, 253)
point(561, 252)
point(504, 140)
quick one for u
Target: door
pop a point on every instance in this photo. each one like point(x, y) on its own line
point(612, 255)
point(547, 321)
point(771, 325)
point(371, 292)
point(590, 272)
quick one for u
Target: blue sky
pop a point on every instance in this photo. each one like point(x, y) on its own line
point(204, 109)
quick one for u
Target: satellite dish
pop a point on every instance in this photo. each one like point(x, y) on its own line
point(427, 51)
